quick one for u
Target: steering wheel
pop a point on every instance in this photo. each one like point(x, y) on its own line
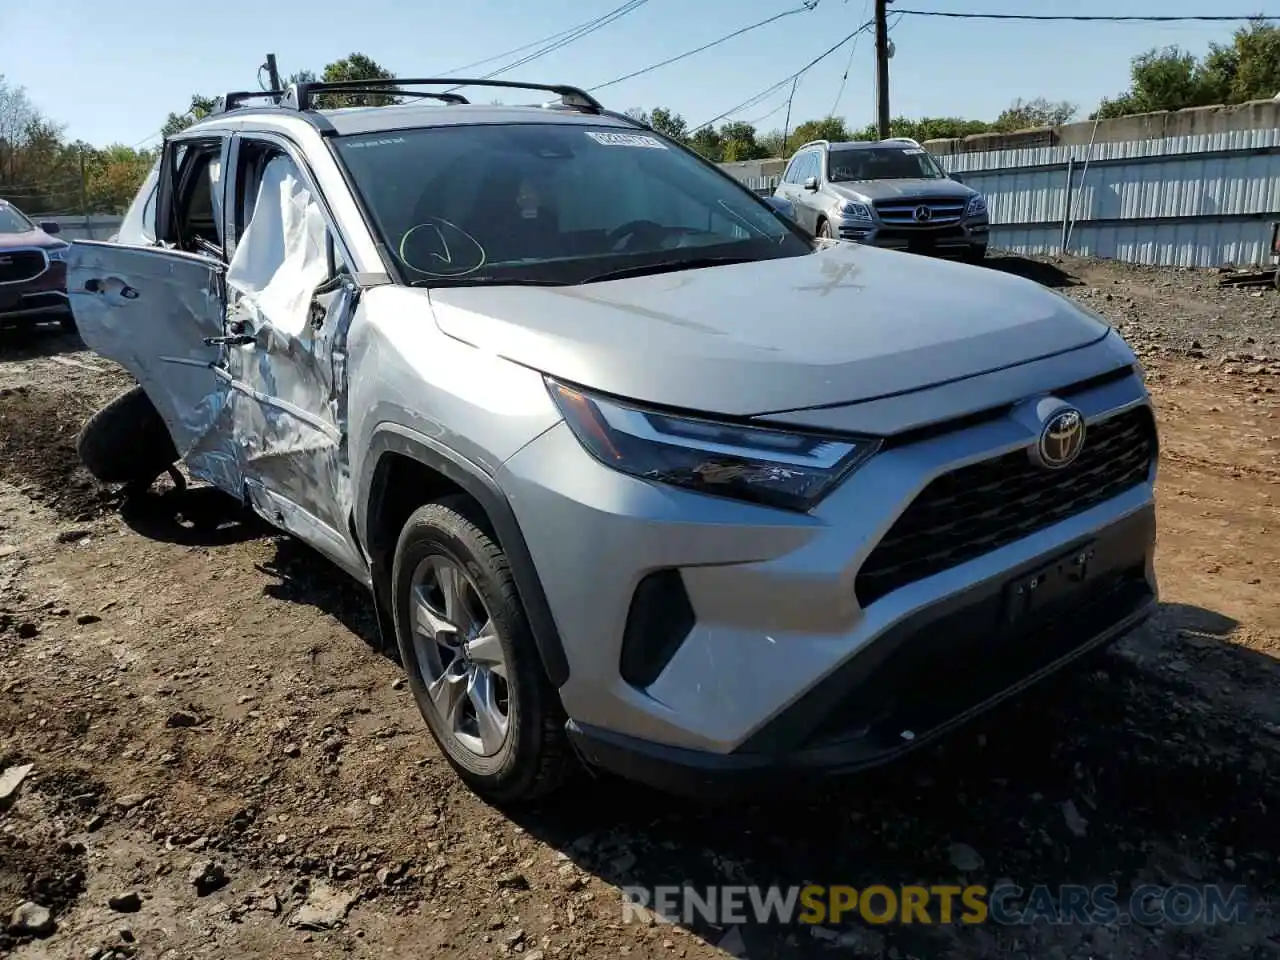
point(647, 229)
point(635, 228)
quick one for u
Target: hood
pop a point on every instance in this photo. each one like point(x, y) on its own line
point(29, 238)
point(871, 190)
point(844, 324)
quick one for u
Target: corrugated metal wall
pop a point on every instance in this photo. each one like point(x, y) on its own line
point(1197, 200)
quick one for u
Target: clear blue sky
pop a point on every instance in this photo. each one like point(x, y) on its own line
point(113, 76)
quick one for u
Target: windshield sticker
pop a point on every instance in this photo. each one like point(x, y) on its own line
point(626, 140)
point(378, 142)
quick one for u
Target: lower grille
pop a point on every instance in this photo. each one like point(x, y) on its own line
point(982, 507)
point(17, 266)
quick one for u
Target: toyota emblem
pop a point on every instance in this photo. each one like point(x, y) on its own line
point(923, 214)
point(1061, 439)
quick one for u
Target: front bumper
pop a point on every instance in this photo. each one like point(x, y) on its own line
point(967, 237)
point(42, 298)
point(766, 601)
point(933, 671)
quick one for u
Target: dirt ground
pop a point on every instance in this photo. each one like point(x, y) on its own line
point(224, 767)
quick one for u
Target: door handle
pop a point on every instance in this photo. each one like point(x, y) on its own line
point(95, 285)
point(234, 340)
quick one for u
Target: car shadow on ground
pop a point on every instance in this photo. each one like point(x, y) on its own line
point(304, 577)
point(194, 517)
point(1106, 772)
point(33, 341)
point(1045, 274)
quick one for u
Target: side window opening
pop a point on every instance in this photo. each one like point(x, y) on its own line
point(283, 250)
point(196, 221)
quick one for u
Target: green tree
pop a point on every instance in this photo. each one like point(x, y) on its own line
point(1170, 78)
point(356, 66)
point(1031, 114)
point(199, 108)
point(828, 128)
point(738, 142)
point(666, 122)
point(708, 142)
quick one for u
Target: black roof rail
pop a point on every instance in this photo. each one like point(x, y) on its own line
point(301, 96)
point(230, 101)
point(385, 89)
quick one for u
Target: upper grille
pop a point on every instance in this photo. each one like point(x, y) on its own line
point(19, 265)
point(942, 211)
point(986, 505)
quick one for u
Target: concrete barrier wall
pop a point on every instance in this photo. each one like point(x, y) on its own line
point(94, 227)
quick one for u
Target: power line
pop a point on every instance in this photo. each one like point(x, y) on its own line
point(782, 83)
point(1205, 18)
point(808, 6)
point(591, 27)
point(536, 43)
point(848, 66)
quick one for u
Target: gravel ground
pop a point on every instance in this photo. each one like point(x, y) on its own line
point(221, 765)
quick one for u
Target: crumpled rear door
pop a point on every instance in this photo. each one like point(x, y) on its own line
point(150, 310)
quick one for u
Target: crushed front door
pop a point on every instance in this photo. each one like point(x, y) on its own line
point(288, 312)
point(151, 310)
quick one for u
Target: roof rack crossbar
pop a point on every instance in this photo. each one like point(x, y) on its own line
point(237, 98)
point(388, 90)
point(301, 96)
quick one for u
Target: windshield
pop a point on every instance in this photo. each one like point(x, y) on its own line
point(884, 163)
point(554, 203)
point(11, 221)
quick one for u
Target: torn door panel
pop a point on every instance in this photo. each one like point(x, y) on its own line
point(289, 406)
point(150, 311)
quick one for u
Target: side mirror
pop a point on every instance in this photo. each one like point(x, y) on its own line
point(957, 178)
point(811, 183)
point(783, 206)
point(50, 227)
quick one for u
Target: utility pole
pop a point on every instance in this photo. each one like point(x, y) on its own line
point(882, 68)
point(786, 127)
point(84, 194)
point(273, 73)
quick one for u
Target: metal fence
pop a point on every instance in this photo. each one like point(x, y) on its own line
point(1195, 200)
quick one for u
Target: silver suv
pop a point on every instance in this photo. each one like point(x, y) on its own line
point(888, 193)
point(635, 470)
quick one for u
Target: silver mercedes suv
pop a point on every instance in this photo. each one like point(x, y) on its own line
point(637, 472)
point(886, 193)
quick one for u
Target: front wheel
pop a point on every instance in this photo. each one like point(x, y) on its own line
point(975, 255)
point(824, 230)
point(471, 660)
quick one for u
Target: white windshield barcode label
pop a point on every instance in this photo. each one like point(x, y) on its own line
point(626, 140)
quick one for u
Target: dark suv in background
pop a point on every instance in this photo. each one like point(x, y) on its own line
point(885, 193)
point(33, 271)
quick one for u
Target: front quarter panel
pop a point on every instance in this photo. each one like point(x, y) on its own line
point(407, 375)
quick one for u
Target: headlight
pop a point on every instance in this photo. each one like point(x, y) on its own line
point(773, 467)
point(977, 207)
point(59, 254)
point(856, 211)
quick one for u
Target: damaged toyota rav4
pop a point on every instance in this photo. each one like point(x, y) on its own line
point(639, 474)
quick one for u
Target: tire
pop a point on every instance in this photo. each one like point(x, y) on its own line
point(67, 322)
point(975, 255)
point(534, 758)
point(824, 230)
point(127, 441)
